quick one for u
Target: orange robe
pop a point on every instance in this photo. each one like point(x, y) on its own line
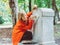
point(19, 30)
point(29, 14)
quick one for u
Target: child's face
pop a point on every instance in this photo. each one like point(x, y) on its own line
point(24, 18)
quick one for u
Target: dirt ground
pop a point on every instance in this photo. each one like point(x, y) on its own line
point(5, 32)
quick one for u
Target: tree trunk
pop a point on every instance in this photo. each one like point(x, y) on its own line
point(55, 9)
point(48, 3)
point(29, 5)
point(13, 8)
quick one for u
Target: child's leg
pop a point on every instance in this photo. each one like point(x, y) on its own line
point(27, 36)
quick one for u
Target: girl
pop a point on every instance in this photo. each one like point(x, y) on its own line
point(21, 27)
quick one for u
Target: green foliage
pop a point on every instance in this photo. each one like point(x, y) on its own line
point(58, 4)
point(1, 20)
point(20, 1)
point(47, 3)
point(23, 5)
point(5, 11)
point(38, 2)
point(41, 3)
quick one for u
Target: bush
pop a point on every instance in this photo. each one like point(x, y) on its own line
point(1, 20)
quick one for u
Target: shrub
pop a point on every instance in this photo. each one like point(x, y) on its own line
point(1, 20)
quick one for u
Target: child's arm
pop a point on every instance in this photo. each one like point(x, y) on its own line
point(29, 26)
point(29, 14)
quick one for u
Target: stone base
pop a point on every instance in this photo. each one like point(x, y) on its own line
point(48, 43)
point(28, 43)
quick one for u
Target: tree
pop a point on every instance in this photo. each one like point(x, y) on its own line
point(54, 7)
point(29, 5)
point(13, 8)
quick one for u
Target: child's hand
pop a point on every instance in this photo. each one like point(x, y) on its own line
point(33, 17)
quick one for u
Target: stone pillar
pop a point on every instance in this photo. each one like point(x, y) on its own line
point(44, 28)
